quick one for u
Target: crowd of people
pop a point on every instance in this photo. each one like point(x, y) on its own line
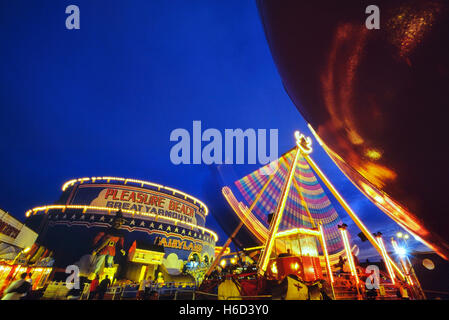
point(145, 288)
point(369, 291)
point(22, 288)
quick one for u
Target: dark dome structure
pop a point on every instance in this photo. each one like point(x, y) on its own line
point(375, 98)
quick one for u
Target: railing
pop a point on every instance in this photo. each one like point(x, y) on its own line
point(344, 289)
point(261, 297)
point(58, 290)
point(170, 291)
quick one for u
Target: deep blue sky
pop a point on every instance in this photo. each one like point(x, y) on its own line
point(103, 100)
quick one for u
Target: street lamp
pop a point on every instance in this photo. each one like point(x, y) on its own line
point(405, 237)
point(400, 251)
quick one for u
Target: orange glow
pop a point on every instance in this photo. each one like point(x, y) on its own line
point(375, 173)
point(338, 92)
point(410, 25)
point(338, 87)
point(349, 256)
point(304, 143)
point(218, 249)
point(326, 255)
point(373, 154)
point(372, 193)
point(387, 259)
point(274, 268)
point(347, 208)
point(400, 215)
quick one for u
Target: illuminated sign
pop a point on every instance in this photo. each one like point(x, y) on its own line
point(144, 201)
point(178, 244)
point(8, 230)
point(133, 199)
point(13, 232)
point(142, 184)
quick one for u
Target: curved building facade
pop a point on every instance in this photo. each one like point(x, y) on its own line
point(155, 216)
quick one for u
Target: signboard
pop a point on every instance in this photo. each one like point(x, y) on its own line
point(179, 244)
point(13, 232)
point(8, 230)
point(137, 199)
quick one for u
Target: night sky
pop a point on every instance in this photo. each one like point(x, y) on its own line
point(104, 99)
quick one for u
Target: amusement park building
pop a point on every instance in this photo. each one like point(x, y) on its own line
point(14, 236)
point(164, 225)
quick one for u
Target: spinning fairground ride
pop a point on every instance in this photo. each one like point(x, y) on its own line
point(303, 249)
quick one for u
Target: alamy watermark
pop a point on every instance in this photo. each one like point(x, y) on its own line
point(209, 146)
point(73, 280)
point(373, 280)
point(73, 20)
point(372, 22)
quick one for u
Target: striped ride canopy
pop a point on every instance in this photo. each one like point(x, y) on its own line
point(295, 213)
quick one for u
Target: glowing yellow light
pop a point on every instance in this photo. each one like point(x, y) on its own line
point(297, 231)
point(223, 263)
point(373, 194)
point(141, 182)
point(233, 261)
point(373, 154)
point(108, 210)
point(326, 255)
point(304, 143)
point(253, 248)
point(26, 249)
point(349, 254)
point(386, 259)
point(225, 252)
point(274, 268)
point(406, 236)
point(320, 142)
point(399, 234)
point(273, 231)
